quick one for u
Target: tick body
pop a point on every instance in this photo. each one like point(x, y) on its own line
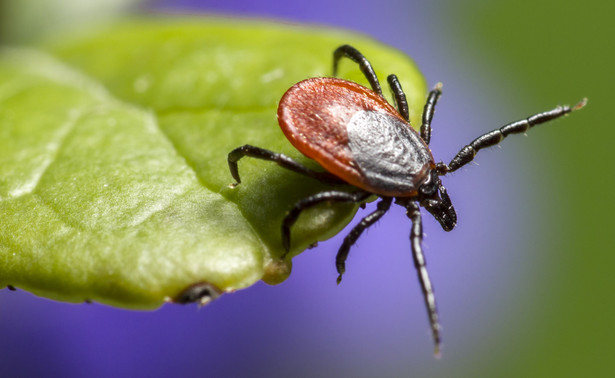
point(353, 133)
point(367, 147)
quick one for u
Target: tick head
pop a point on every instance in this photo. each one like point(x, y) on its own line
point(429, 188)
point(434, 198)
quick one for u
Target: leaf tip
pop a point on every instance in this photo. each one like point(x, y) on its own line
point(276, 271)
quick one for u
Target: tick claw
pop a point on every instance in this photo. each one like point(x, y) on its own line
point(580, 104)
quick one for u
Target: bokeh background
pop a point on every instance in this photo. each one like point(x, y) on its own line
point(525, 283)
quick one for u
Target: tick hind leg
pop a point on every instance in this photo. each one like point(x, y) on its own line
point(494, 137)
point(416, 239)
point(351, 238)
point(330, 196)
point(364, 64)
point(282, 160)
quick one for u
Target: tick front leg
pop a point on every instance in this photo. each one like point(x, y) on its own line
point(399, 96)
point(494, 137)
point(282, 160)
point(428, 112)
point(331, 196)
point(364, 64)
point(351, 238)
point(416, 239)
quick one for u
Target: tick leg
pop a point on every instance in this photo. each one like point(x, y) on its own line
point(428, 111)
point(282, 160)
point(364, 64)
point(491, 138)
point(351, 238)
point(416, 238)
point(331, 196)
point(399, 96)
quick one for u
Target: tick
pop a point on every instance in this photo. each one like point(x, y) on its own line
point(366, 143)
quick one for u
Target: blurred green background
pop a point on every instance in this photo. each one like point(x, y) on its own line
point(563, 49)
point(541, 53)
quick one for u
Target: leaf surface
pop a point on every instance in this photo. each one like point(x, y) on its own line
point(114, 185)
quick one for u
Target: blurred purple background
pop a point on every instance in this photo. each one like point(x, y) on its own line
point(374, 323)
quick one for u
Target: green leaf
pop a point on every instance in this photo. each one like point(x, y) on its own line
point(114, 185)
